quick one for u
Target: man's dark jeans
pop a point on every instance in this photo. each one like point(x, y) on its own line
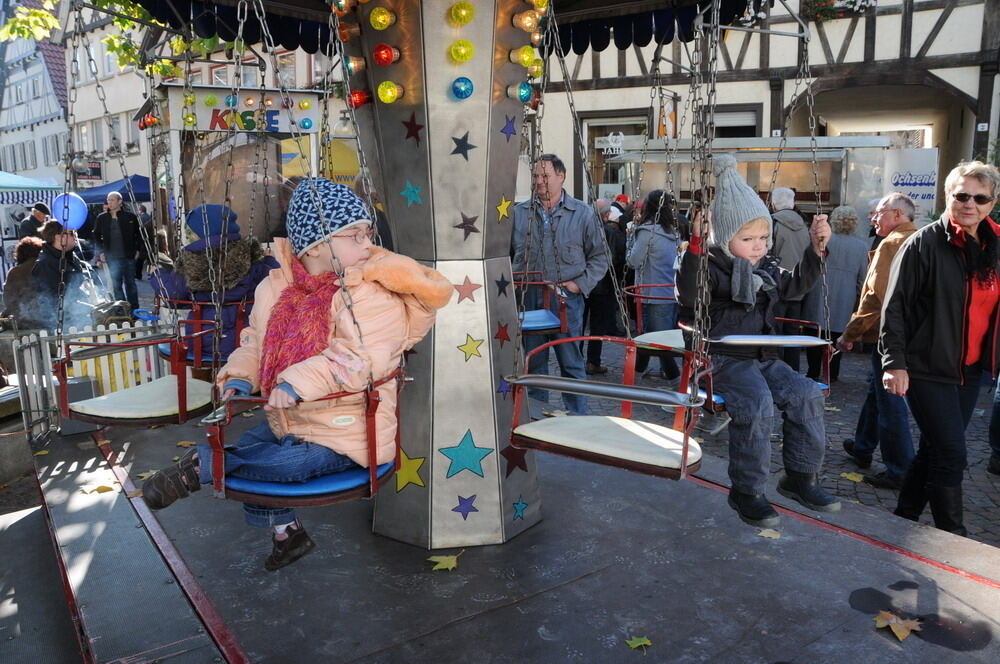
point(123, 280)
point(884, 422)
point(995, 424)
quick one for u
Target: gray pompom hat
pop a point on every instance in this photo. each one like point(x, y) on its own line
point(735, 203)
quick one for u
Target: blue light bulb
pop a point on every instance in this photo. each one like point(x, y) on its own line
point(306, 123)
point(462, 87)
point(524, 92)
point(232, 101)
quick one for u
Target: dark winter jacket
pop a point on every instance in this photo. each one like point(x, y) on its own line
point(729, 317)
point(616, 243)
point(923, 322)
point(131, 235)
point(79, 294)
point(244, 267)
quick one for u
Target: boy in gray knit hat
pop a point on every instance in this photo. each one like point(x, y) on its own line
point(745, 283)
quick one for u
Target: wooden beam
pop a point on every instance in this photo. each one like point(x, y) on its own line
point(575, 76)
point(724, 50)
point(847, 40)
point(642, 63)
point(906, 30)
point(941, 19)
point(825, 43)
point(777, 86)
point(621, 64)
point(870, 32)
point(743, 50)
point(984, 110)
point(595, 64)
point(765, 40)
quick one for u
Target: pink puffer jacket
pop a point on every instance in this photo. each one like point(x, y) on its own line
point(393, 299)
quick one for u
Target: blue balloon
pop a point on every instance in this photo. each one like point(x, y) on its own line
point(69, 210)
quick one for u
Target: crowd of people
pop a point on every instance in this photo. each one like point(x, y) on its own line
point(925, 301)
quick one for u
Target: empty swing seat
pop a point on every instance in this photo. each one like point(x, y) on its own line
point(616, 438)
point(537, 320)
point(153, 400)
point(673, 339)
point(326, 484)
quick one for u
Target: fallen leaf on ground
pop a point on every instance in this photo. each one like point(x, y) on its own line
point(445, 562)
point(41, 452)
point(769, 533)
point(177, 458)
point(638, 642)
point(247, 414)
point(900, 627)
point(146, 475)
point(134, 494)
point(854, 477)
point(832, 409)
point(155, 426)
point(186, 443)
point(101, 489)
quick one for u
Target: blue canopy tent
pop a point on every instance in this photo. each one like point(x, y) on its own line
point(97, 195)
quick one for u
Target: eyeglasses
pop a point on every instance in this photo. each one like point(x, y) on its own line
point(980, 199)
point(360, 236)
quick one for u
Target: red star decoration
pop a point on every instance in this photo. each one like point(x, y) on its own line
point(413, 128)
point(502, 334)
point(466, 290)
point(515, 459)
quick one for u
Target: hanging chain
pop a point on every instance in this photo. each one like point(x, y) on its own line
point(72, 95)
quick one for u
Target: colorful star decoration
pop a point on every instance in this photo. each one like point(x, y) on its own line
point(504, 388)
point(413, 128)
point(465, 506)
point(508, 129)
point(466, 290)
point(412, 194)
point(515, 459)
point(409, 471)
point(502, 284)
point(502, 335)
point(471, 347)
point(503, 210)
point(468, 225)
point(466, 456)
point(519, 508)
point(462, 146)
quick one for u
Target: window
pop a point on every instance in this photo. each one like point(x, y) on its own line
point(285, 74)
point(46, 158)
point(249, 75)
point(197, 76)
point(115, 134)
point(19, 164)
point(18, 94)
point(220, 75)
point(110, 62)
point(35, 88)
point(133, 134)
point(31, 155)
point(83, 138)
point(97, 135)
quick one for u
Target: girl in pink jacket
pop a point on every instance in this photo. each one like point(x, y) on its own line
point(336, 315)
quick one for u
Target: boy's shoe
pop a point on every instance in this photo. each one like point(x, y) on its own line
point(884, 480)
point(994, 465)
point(592, 369)
point(754, 510)
point(172, 483)
point(287, 551)
point(862, 460)
point(805, 489)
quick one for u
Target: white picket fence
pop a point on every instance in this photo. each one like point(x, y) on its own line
point(34, 354)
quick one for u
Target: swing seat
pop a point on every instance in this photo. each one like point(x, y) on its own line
point(540, 321)
point(155, 400)
point(775, 340)
point(318, 486)
point(652, 341)
point(206, 356)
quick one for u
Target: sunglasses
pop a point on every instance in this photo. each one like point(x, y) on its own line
point(980, 199)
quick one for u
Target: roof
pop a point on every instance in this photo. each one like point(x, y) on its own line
point(54, 56)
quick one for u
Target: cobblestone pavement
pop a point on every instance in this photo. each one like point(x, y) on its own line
point(982, 490)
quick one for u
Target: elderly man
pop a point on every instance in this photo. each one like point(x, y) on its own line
point(560, 237)
point(119, 239)
point(31, 225)
point(602, 306)
point(790, 237)
point(884, 419)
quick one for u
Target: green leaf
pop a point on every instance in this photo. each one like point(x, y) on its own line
point(445, 562)
point(638, 642)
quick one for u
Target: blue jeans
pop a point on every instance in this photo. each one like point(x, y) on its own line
point(995, 423)
point(123, 280)
point(570, 356)
point(752, 388)
point(262, 456)
point(884, 422)
point(656, 317)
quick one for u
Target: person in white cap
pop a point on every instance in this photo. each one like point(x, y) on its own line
point(745, 284)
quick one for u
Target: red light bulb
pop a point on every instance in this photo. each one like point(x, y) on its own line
point(384, 55)
point(358, 98)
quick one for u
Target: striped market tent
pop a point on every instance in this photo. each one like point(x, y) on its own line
point(15, 189)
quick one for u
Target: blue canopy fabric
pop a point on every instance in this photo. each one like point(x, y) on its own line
point(140, 187)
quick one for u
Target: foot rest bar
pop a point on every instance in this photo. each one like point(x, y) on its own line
point(645, 395)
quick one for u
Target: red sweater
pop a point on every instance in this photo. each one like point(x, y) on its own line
point(981, 305)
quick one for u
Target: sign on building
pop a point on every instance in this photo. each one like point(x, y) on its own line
point(914, 172)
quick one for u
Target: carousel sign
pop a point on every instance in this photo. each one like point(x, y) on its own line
point(216, 108)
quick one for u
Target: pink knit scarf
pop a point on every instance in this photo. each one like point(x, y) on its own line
point(299, 325)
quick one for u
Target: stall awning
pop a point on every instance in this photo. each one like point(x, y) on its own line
point(19, 190)
point(96, 195)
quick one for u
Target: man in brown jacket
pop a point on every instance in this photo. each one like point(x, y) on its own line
point(884, 419)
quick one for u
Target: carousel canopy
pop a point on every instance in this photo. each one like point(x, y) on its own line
point(583, 24)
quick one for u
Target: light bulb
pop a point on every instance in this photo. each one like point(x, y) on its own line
point(389, 92)
point(348, 31)
point(358, 98)
point(523, 56)
point(269, 101)
point(306, 123)
point(527, 20)
point(541, 5)
point(232, 101)
point(536, 39)
point(305, 104)
point(211, 100)
point(355, 64)
point(537, 68)
point(189, 99)
point(462, 12)
point(462, 87)
point(462, 50)
point(190, 119)
point(520, 91)
point(384, 55)
point(381, 18)
point(249, 101)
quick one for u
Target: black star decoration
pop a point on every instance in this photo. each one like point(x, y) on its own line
point(502, 284)
point(468, 225)
point(412, 128)
point(462, 146)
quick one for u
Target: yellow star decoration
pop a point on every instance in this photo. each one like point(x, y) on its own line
point(471, 346)
point(409, 471)
point(503, 210)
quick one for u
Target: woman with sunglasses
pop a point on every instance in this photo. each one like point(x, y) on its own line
point(939, 333)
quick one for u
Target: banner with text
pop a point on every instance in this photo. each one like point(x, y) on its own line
point(914, 172)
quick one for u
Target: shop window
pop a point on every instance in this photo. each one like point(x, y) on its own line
point(285, 73)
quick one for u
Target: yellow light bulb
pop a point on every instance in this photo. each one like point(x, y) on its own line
point(527, 20)
point(538, 4)
point(462, 12)
point(381, 18)
point(537, 68)
point(523, 56)
point(389, 92)
point(462, 50)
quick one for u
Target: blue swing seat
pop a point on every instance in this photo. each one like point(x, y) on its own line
point(539, 319)
point(335, 483)
point(164, 350)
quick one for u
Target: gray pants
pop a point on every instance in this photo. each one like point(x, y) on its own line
point(752, 389)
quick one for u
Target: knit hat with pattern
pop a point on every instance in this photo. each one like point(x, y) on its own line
point(735, 202)
point(318, 209)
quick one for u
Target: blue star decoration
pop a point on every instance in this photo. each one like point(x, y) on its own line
point(508, 128)
point(502, 284)
point(519, 507)
point(468, 225)
point(465, 456)
point(465, 506)
point(462, 146)
point(412, 194)
point(504, 388)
